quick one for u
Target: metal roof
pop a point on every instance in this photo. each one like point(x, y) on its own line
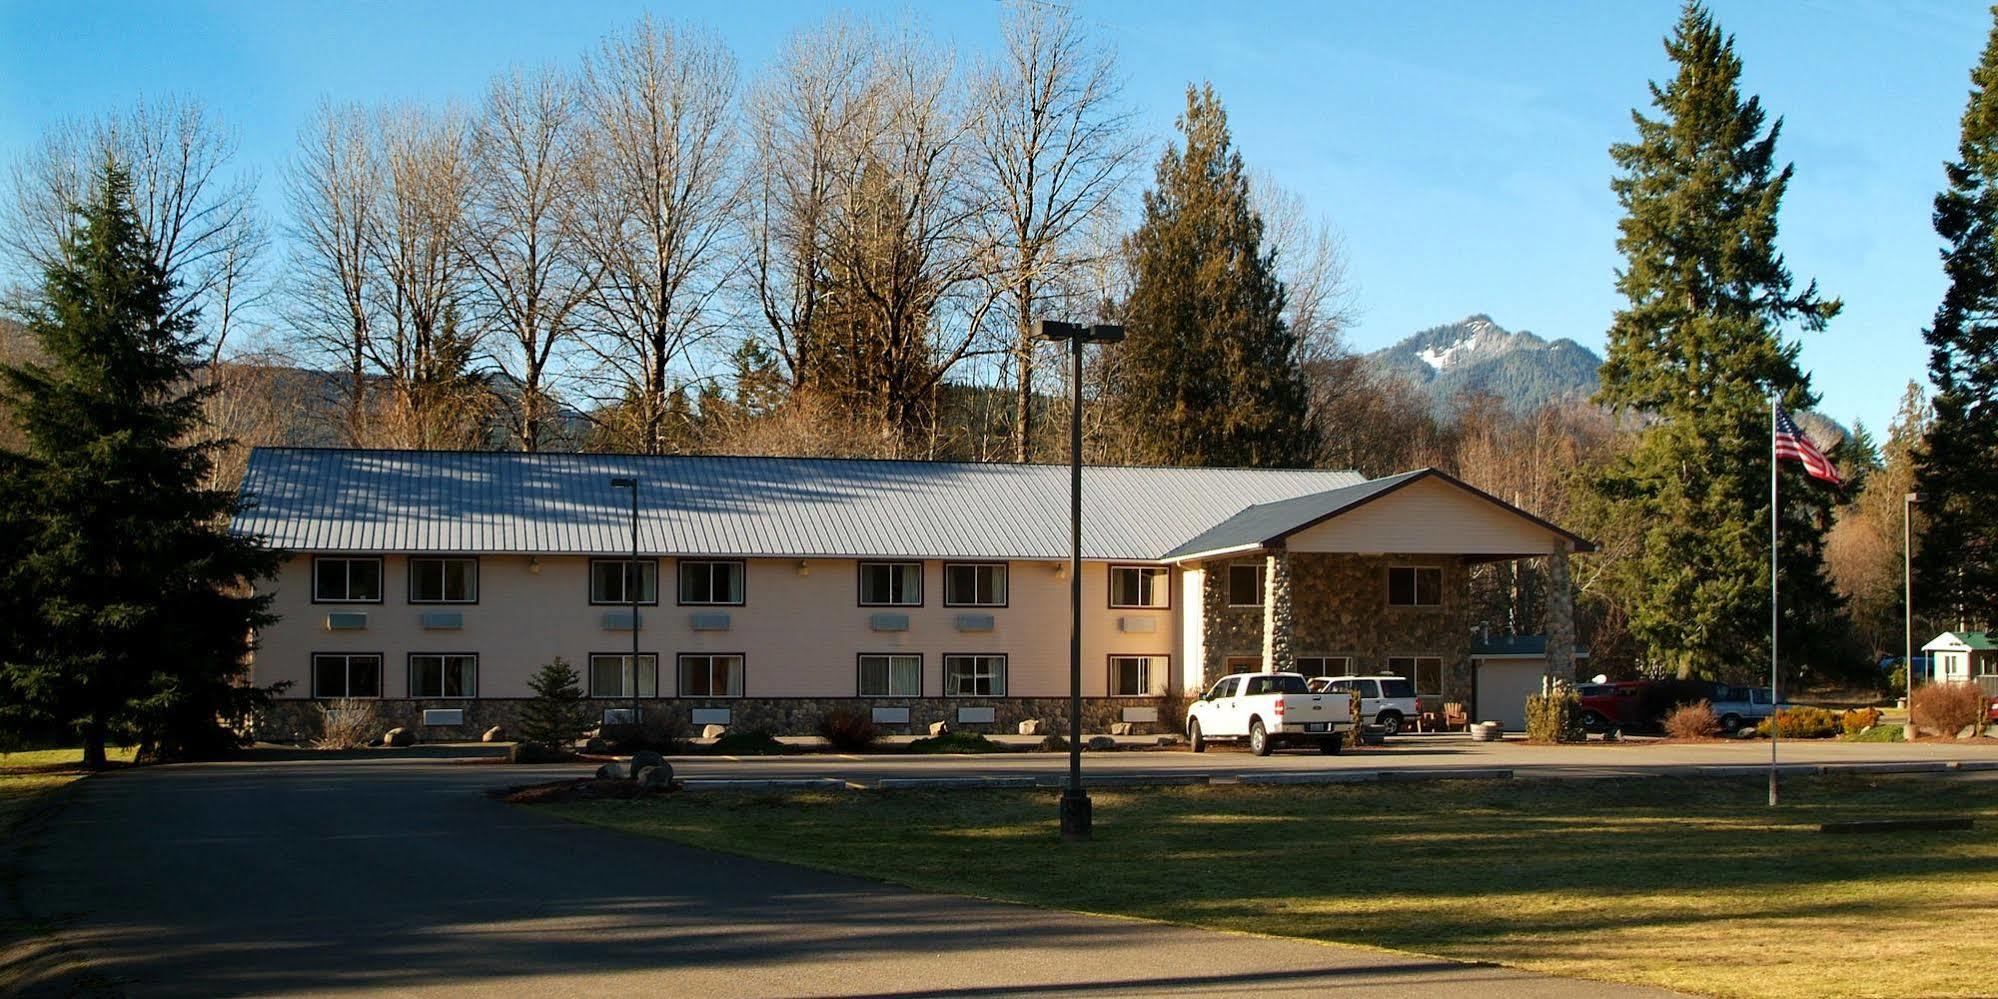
point(341, 500)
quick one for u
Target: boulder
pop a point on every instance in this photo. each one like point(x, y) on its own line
point(646, 758)
point(1031, 726)
point(1991, 731)
point(596, 746)
point(613, 771)
point(939, 728)
point(714, 731)
point(1170, 740)
point(1613, 735)
point(398, 737)
point(1967, 732)
point(656, 778)
point(494, 734)
point(1101, 742)
point(531, 752)
point(1120, 728)
point(1745, 732)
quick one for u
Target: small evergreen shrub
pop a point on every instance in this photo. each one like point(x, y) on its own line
point(755, 742)
point(1692, 721)
point(556, 715)
point(1859, 720)
point(1801, 723)
point(957, 742)
point(849, 730)
point(1555, 717)
point(1948, 707)
point(1054, 742)
point(663, 731)
point(348, 723)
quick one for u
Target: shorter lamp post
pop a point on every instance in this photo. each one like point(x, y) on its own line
point(1908, 598)
point(633, 582)
point(1075, 809)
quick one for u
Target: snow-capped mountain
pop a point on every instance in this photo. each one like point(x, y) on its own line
point(1476, 354)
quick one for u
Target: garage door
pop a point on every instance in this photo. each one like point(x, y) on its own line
point(1503, 687)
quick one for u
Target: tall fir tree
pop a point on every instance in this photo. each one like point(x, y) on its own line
point(1698, 349)
point(1957, 465)
point(1210, 374)
point(130, 604)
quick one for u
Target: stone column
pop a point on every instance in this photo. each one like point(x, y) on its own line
point(1276, 613)
point(1560, 616)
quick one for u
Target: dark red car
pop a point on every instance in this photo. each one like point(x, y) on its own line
point(1611, 705)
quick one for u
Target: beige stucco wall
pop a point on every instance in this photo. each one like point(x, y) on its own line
point(799, 632)
point(1429, 516)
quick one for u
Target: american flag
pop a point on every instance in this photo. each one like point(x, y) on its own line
point(1791, 443)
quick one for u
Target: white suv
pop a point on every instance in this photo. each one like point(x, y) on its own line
point(1388, 700)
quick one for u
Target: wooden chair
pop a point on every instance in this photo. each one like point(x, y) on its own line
point(1455, 718)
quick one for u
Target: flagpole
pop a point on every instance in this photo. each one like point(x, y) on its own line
point(1774, 722)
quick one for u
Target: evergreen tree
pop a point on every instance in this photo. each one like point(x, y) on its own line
point(1857, 457)
point(131, 605)
point(556, 715)
point(1699, 350)
point(1957, 465)
point(1210, 374)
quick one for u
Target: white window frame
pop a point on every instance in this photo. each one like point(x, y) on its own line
point(956, 679)
point(444, 579)
point(708, 566)
point(706, 661)
point(648, 568)
point(1153, 670)
point(443, 660)
point(887, 662)
point(347, 676)
point(1414, 674)
point(1154, 581)
point(1261, 582)
point(646, 660)
point(999, 585)
point(894, 569)
point(1415, 585)
point(381, 574)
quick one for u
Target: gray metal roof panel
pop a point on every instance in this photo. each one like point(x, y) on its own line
point(327, 500)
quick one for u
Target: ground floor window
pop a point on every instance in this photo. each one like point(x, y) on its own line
point(449, 675)
point(711, 676)
point(1324, 665)
point(1137, 676)
point(1426, 672)
point(347, 675)
point(891, 676)
point(611, 675)
point(975, 676)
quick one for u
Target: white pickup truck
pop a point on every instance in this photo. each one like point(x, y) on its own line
point(1269, 710)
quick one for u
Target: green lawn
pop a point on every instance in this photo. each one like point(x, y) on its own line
point(48, 758)
point(1692, 885)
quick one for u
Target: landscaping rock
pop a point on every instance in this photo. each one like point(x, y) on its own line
point(1120, 728)
point(939, 728)
point(1745, 732)
point(1613, 735)
point(714, 731)
point(1991, 731)
point(1967, 732)
point(612, 771)
point(398, 737)
point(1101, 742)
point(1031, 726)
point(646, 758)
point(656, 778)
point(531, 752)
point(1170, 740)
point(596, 746)
point(494, 734)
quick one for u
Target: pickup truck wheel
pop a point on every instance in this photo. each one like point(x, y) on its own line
point(1390, 722)
point(1729, 723)
point(1259, 738)
point(1194, 740)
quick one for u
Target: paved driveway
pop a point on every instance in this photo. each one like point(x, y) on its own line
point(400, 876)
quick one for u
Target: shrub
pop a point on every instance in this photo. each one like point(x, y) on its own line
point(848, 730)
point(1692, 721)
point(348, 723)
point(663, 731)
point(1657, 700)
point(956, 742)
point(1054, 743)
point(1800, 723)
point(556, 715)
point(1555, 717)
point(1948, 707)
point(756, 742)
point(1859, 720)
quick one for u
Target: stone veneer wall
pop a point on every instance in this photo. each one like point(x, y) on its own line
point(1338, 607)
point(295, 720)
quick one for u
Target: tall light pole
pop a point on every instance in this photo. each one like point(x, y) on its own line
point(633, 582)
point(1908, 600)
point(1075, 817)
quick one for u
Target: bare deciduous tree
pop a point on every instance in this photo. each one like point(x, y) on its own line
point(335, 192)
point(658, 193)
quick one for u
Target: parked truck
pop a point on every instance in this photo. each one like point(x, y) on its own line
point(1736, 707)
point(1269, 711)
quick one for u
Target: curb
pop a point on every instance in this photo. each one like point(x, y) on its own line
point(1486, 773)
point(773, 784)
point(1312, 777)
point(951, 783)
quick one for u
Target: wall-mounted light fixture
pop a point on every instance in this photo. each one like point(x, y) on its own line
point(534, 564)
point(804, 568)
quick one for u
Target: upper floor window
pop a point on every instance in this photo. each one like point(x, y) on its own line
point(1323, 665)
point(1415, 586)
point(443, 580)
point(891, 584)
point(347, 580)
point(1137, 676)
point(1140, 586)
point(710, 582)
point(1425, 671)
point(979, 584)
point(344, 675)
point(443, 675)
point(614, 581)
point(1245, 584)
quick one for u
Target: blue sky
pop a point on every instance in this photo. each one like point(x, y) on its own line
point(1459, 147)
